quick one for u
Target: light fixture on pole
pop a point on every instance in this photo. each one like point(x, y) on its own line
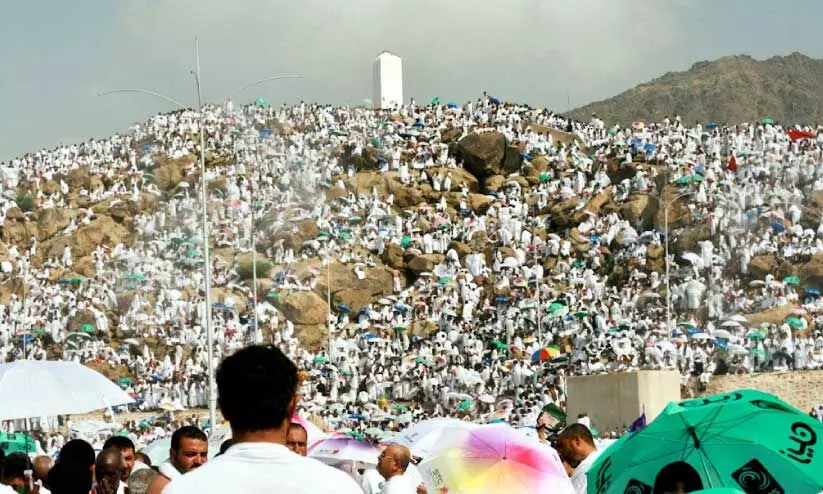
point(204, 209)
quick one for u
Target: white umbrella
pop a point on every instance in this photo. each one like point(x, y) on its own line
point(722, 333)
point(738, 318)
point(423, 437)
point(336, 449)
point(731, 324)
point(46, 387)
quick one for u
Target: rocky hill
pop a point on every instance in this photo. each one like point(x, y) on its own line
point(731, 89)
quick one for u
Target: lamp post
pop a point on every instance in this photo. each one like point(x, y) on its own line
point(204, 209)
point(665, 206)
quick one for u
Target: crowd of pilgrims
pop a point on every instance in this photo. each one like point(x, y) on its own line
point(505, 330)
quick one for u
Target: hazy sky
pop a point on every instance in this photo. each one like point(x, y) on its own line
point(56, 55)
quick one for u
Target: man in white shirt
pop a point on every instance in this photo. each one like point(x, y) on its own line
point(257, 395)
point(575, 445)
point(392, 464)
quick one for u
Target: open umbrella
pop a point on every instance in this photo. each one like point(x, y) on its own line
point(260, 102)
point(494, 459)
point(767, 121)
point(544, 354)
point(742, 439)
point(795, 322)
point(791, 280)
point(63, 388)
point(424, 437)
point(344, 449)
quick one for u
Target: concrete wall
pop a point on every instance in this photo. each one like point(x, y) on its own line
point(613, 401)
point(802, 389)
point(388, 81)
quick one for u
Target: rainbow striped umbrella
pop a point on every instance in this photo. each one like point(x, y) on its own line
point(547, 353)
point(494, 459)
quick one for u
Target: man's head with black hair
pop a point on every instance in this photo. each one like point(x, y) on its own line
point(127, 449)
point(14, 467)
point(677, 477)
point(575, 443)
point(189, 448)
point(77, 452)
point(257, 391)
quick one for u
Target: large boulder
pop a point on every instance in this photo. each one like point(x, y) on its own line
point(640, 209)
point(459, 177)
point(480, 203)
point(303, 308)
point(170, 172)
point(365, 161)
point(393, 256)
point(18, 233)
point(102, 231)
point(406, 197)
point(377, 283)
point(424, 262)
point(760, 266)
point(483, 154)
point(79, 178)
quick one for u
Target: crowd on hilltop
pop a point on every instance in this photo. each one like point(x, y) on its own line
point(555, 266)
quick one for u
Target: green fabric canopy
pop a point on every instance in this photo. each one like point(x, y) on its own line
point(742, 439)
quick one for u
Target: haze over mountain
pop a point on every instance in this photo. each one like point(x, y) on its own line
point(731, 89)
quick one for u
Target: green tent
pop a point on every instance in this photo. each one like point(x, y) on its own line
point(260, 102)
point(731, 440)
point(16, 443)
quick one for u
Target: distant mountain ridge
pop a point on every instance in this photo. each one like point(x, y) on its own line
point(731, 89)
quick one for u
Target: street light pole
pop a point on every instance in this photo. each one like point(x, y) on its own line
point(204, 208)
point(207, 257)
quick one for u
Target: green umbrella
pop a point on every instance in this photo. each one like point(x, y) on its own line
point(791, 280)
point(355, 219)
point(465, 405)
point(500, 345)
point(443, 281)
point(545, 177)
point(273, 296)
point(743, 439)
point(38, 330)
point(260, 102)
point(767, 121)
point(193, 253)
point(87, 328)
point(405, 242)
point(436, 100)
point(755, 335)
point(581, 313)
point(177, 241)
point(345, 235)
point(324, 234)
point(794, 322)
point(697, 178)
point(320, 359)
point(76, 279)
point(684, 180)
point(16, 443)
point(399, 407)
point(148, 176)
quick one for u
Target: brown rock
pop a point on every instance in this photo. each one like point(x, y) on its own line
point(393, 256)
point(450, 134)
point(494, 183)
point(406, 197)
point(303, 308)
point(79, 178)
point(480, 203)
point(53, 220)
point(170, 172)
point(512, 161)
point(423, 263)
point(49, 187)
point(15, 214)
point(760, 266)
point(307, 230)
point(483, 154)
point(462, 249)
point(102, 231)
point(18, 233)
